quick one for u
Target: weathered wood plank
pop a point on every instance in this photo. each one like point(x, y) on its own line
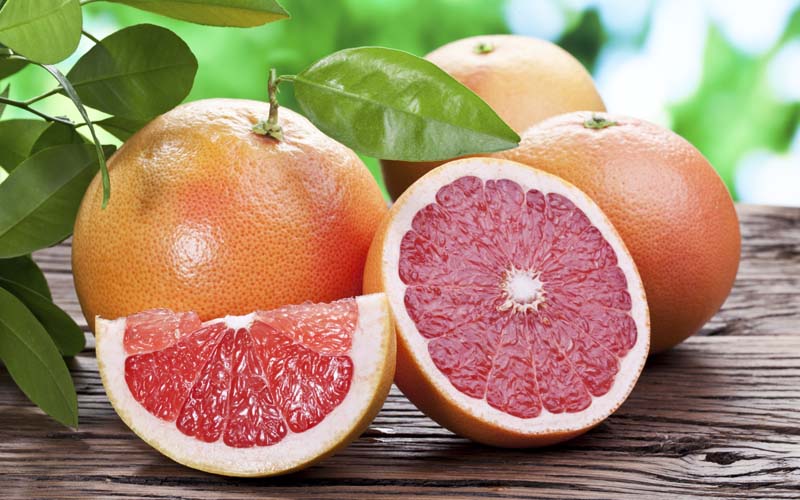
point(718, 416)
point(713, 417)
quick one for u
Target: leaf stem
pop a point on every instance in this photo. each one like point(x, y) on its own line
point(90, 37)
point(43, 96)
point(29, 109)
point(76, 100)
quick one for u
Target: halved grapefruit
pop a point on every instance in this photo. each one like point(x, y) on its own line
point(262, 394)
point(520, 316)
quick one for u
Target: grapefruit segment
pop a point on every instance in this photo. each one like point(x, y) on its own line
point(157, 328)
point(521, 317)
point(254, 395)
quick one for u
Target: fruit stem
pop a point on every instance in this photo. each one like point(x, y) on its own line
point(271, 127)
point(483, 48)
point(599, 122)
point(272, 89)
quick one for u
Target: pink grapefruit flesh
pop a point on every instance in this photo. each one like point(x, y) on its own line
point(233, 395)
point(530, 346)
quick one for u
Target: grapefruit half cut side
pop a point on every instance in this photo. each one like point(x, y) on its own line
point(520, 316)
point(262, 394)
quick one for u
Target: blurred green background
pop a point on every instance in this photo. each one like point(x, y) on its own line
point(723, 74)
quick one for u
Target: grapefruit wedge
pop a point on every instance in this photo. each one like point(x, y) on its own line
point(262, 394)
point(520, 316)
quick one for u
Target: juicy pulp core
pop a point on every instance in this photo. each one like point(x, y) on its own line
point(247, 380)
point(517, 295)
point(523, 290)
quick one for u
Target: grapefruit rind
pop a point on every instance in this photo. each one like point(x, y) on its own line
point(548, 426)
point(373, 355)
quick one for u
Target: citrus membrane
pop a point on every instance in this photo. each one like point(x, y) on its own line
point(515, 299)
point(258, 394)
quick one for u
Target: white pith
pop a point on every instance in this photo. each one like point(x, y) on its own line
point(371, 342)
point(524, 290)
point(424, 193)
point(237, 322)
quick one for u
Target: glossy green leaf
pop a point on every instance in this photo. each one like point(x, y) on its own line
point(10, 66)
point(238, 13)
point(16, 140)
point(39, 200)
point(33, 361)
point(24, 270)
point(76, 100)
point(121, 128)
point(45, 31)
point(391, 104)
point(4, 93)
point(137, 73)
point(66, 334)
point(57, 134)
point(109, 149)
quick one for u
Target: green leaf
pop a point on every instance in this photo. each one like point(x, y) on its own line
point(109, 149)
point(16, 140)
point(390, 104)
point(121, 128)
point(238, 13)
point(10, 66)
point(33, 361)
point(24, 270)
point(76, 100)
point(57, 134)
point(45, 31)
point(66, 334)
point(40, 199)
point(4, 93)
point(136, 73)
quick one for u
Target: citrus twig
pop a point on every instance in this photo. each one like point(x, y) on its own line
point(29, 109)
point(44, 96)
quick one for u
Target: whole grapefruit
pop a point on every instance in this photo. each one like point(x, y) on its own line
point(206, 215)
point(666, 200)
point(525, 80)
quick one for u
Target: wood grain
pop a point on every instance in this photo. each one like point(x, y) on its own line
point(719, 416)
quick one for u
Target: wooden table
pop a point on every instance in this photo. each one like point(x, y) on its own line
point(718, 416)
